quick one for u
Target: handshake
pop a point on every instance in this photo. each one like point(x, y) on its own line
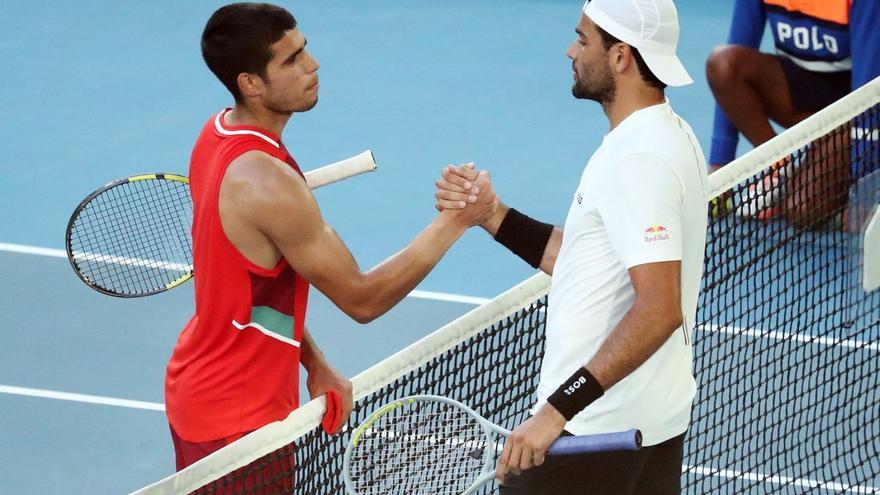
point(466, 196)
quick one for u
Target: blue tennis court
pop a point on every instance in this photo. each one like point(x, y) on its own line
point(98, 90)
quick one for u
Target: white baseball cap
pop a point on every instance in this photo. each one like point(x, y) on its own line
point(651, 26)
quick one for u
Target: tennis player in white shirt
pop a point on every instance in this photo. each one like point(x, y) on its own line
point(626, 268)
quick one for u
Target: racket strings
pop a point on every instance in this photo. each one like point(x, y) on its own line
point(427, 447)
point(423, 453)
point(135, 238)
point(142, 212)
point(121, 241)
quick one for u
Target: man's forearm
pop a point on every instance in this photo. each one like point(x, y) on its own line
point(491, 225)
point(641, 332)
point(311, 356)
point(551, 252)
point(390, 281)
point(550, 249)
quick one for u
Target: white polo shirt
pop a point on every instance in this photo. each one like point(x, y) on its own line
point(641, 199)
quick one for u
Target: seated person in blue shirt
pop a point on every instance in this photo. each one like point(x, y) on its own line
point(824, 49)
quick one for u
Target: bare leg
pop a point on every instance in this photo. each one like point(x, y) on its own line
point(819, 189)
point(751, 88)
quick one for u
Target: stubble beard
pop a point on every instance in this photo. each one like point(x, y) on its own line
point(285, 108)
point(602, 89)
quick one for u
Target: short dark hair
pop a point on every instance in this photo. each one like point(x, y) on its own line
point(608, 41)
point(238, 37)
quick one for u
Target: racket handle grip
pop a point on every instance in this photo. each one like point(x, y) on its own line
point(624, 440)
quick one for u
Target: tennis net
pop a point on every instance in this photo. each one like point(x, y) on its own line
point(787, 342)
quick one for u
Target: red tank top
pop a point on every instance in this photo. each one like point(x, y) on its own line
point(235, 367)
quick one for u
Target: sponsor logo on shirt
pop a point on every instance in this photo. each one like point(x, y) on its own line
point(806, 38)
point(656, 233)
point(579, 198)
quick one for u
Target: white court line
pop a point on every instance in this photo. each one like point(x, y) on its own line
point(808, 339)
point(782, 480)
point(442, 296)
point(60, 253)
point(40, 251)
point(119, 260)
point(89, 399)
point(80, 255)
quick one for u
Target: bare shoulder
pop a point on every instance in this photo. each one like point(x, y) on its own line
point(260, 178)
point(261, 193)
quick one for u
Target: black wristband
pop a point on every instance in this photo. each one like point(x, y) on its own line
point(575, 394)
point(524, 236)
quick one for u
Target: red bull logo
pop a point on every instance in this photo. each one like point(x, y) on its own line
point(656, 233)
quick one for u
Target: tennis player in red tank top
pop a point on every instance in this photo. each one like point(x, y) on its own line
point(259, 242)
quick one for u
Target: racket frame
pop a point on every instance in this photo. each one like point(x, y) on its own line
point(328, 174)
point(85, 202)
point(625, 440)
point(491, 430)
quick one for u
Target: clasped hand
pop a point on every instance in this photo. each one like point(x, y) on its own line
point(466, 192)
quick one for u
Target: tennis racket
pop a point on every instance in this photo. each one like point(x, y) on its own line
point(132, 237)
point(429, 444)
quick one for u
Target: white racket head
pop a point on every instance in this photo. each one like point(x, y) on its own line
point(420, 445)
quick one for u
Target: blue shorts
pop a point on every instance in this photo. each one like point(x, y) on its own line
point(812, 91)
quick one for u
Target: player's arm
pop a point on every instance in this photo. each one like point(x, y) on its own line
point(653, 318)
point(323, 377)
point(537, 243)
point(649, 323)
point(643, 220)
point(265, 194)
